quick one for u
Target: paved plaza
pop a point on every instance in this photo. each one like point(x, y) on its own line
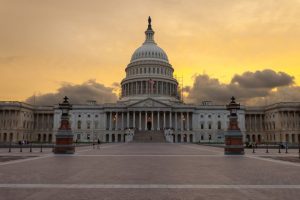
point(148, 171)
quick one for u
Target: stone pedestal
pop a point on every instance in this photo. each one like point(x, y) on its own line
point(234, 143)
point(64, 142)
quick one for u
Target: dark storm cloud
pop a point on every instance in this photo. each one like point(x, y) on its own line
point(263, 79)
point(207, 88)
point(282, 94)
point(78, 94)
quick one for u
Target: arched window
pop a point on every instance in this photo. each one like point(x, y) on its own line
point(44, 138)
point(219, 125)
point(79, 125)
point(11, 137)
point(209, 126)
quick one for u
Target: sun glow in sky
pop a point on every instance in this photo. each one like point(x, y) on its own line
point(46, 43)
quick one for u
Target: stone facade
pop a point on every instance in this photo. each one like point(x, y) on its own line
point(278, 122)
point(20, 121)
point(113, 122)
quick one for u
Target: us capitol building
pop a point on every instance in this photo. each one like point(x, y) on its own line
point(149, 109)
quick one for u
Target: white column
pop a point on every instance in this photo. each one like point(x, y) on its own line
point(260, 124)
point(128, 119)
point(116, 127)
point(255, 123)
point(140, 121)
point(294, 120)
point(110, 139)
point(164, 120)
point(122, 120)
point(250, 125)
point(140, 87)
point(158, 124)
point(175, 121)
point(181, 119)
point(110, 121)
point(170, 120)
point(133, 119)
point(152, 121)
point(146, 116)
point(188, 121)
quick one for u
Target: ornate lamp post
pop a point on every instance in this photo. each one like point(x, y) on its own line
point(233, 137)
point(64, 136)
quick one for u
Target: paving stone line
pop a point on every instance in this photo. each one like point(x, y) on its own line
point(144, 186)
point(274, 161)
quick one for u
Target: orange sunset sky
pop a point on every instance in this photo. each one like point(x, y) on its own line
point(46, 43)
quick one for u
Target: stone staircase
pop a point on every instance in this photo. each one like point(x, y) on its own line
point(149, 136)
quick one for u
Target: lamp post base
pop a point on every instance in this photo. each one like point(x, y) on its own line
point(64, 142)
point(234, 143)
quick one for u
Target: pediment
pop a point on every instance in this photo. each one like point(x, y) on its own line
point(149, 103)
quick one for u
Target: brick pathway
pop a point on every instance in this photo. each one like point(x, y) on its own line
point(149, 171)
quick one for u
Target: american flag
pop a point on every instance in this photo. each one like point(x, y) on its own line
point(152, 83)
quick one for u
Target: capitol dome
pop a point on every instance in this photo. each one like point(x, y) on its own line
point(149, 50)
point(149, 74)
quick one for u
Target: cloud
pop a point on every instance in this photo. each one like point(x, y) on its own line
point(78, 94)
point(282, 94)
point(250, 88)
point(115, 85)
point(263, 79)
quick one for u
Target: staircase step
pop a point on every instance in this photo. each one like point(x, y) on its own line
point(149, 136)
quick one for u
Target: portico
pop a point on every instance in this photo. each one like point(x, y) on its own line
point(149, 119)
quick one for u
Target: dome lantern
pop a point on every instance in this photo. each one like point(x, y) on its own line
point(149, 49)
point(149, 33)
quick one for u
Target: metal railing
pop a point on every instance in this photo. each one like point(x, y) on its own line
point(35, 147)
